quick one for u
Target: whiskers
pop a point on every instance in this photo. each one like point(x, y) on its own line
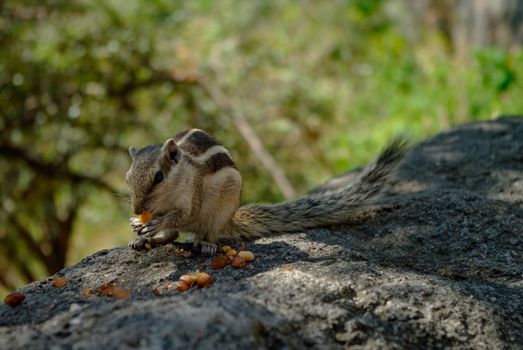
point(122, 199)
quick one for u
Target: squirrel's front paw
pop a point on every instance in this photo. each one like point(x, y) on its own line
point(140, 228)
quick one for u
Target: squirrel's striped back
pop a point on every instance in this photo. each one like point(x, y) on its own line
point(204, 149)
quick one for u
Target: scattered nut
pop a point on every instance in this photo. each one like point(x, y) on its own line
point(203, 279)
point(164, 289)
point(246, 255)
point(219, 262)
point(58, 282)
point(14, 299)
point(238, 262)
point(121, 293)
point(231, 252)
point(110, 290)
point(181, 286)
point(287, 267)
point(190, 279)
point(226, 248)
point(86, 291)
point(105, 289)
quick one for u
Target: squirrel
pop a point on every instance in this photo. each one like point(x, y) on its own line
point(190, 183)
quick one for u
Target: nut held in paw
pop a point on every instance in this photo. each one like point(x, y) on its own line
point(145, 217)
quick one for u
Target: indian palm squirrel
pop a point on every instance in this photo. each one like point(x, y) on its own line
point(190, 183)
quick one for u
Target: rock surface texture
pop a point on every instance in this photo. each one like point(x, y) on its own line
point(437, 262)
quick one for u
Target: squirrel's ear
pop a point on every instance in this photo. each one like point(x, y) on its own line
point(132, 152)
point(170, 151)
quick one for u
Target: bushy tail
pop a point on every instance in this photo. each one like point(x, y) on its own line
point(332, 207)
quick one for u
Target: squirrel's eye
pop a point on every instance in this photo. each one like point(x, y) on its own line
point(158, 177)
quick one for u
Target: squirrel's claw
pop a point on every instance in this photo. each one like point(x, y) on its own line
point(149, 227)
point(205, 248)
point(138, 227)
point(151, 240)
point(139, 244)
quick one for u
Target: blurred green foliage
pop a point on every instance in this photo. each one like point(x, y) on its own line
point(324, 84)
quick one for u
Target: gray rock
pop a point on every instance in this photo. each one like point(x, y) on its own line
point(436, 262)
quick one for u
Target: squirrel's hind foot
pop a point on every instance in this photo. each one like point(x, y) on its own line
point(149, 240)
point(205, 248)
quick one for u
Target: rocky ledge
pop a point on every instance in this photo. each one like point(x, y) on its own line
point(437, 262)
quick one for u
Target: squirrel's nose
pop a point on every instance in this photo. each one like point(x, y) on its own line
point(138, 209)
point(137, 203)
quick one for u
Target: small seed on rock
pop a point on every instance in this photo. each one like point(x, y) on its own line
point(231, 252)
point(219, 262)
point(203, 279)
point(14, 299)
point(246, 255)
point(181, 286)
point(238, 262)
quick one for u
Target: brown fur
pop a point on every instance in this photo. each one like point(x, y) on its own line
point(219, 161)
point(178, 137)
point(197, 142)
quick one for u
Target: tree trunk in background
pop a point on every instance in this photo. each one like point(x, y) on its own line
point(469, 24)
